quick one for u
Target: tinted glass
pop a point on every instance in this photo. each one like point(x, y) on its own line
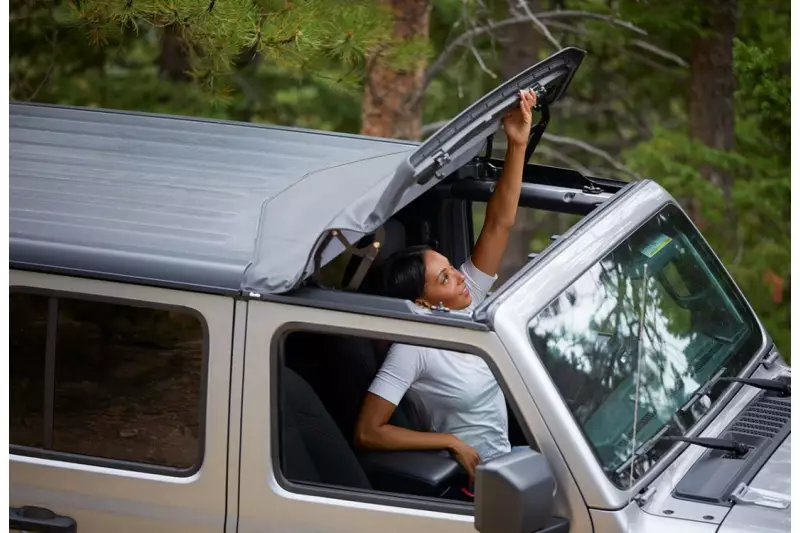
point(27, 338)
point(128, 383)
point(594, 342)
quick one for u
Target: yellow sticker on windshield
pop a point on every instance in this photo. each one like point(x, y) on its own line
point(658, 243)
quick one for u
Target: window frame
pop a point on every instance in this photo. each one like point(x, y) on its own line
point(277, 357)
point(600, 490)
point(718, 404)
point(49, 395)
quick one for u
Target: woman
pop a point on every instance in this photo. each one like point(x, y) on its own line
point(465, 404)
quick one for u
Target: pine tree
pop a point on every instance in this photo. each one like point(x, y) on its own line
point(206, 41)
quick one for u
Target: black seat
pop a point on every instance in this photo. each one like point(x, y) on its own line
point(312, 447)
point(340, 370)
point(313, 450)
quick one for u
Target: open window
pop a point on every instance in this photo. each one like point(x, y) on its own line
point(449, 218)
point(323, 378)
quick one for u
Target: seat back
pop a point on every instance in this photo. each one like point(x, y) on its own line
point(312, 447)
point(340, 369)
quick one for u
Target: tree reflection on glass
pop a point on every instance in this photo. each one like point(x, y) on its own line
point(694, 323)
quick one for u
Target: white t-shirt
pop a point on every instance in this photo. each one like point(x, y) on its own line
point(458, 390)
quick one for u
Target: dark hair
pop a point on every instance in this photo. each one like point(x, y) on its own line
point(403, 273)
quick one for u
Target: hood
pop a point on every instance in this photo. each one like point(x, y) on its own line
point(739, 494)
point(762, 506)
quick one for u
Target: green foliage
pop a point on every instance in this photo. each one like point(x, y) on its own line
point(301, 62)
point(764, 96)
point(322, 42)
point(632, 102)
point(760, 255)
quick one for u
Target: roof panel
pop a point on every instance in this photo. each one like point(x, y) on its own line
point(182, 195)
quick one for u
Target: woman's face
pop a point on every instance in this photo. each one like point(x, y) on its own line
point(444, 283)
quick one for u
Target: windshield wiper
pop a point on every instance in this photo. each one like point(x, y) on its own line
point(774, 385)
point(727, 445)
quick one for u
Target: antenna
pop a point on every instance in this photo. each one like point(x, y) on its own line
point(638, 373)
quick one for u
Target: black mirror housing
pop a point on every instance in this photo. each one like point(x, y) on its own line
point(514, 493)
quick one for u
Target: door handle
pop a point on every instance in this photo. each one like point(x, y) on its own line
point(40, 520)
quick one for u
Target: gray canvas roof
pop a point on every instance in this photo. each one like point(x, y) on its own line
point(182, 201)
point(218, 205)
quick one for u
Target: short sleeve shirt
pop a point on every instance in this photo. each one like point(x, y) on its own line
point(458, 391)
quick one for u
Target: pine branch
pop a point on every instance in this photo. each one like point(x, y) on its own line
point(481, 63)
point(557, 155)
point(311, 35)
point(439, 64)
point(659, 52)
point(538, 24)
point(586, 147)
point(655, 65)
point(53, 42)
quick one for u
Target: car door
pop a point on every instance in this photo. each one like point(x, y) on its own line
point(118, 406)
point(272, 499)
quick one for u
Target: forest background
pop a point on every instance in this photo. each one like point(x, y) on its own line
point(692, 94)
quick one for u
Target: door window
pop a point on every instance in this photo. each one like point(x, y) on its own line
point(92, 380)
point(323, 379)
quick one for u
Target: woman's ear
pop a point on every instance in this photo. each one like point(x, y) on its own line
point(423, 302)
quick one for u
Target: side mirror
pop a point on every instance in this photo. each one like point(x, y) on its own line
point(514, 493)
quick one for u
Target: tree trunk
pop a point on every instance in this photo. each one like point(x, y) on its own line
point(392, 104)
point(519, 48)
point(519, 43)
point(712, 83)
point(173, 63)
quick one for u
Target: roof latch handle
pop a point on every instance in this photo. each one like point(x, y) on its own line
point(441, 158)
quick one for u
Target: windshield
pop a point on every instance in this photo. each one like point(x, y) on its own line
point(695, 325)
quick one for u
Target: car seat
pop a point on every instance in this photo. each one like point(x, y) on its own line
point(340, 370)
point(312, 447)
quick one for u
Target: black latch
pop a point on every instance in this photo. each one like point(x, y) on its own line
point(538, 129)
point(440, 159)
point(485, 170)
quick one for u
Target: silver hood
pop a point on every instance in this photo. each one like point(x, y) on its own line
point(763, 505)
point(760, 502)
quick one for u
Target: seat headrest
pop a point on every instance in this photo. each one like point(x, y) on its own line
point(394, 241)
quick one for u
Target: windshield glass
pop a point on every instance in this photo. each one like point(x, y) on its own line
point(695, 325)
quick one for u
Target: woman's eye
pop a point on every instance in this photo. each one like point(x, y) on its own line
point(445, 279)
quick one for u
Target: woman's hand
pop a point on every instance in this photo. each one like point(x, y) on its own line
point(517, 123)
point(466, 456)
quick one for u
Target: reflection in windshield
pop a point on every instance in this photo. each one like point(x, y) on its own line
point(694, 324)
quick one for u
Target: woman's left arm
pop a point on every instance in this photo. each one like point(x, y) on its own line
point(501, 210)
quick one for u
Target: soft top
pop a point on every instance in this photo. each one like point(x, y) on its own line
point(222, 206)
point(181, 202)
